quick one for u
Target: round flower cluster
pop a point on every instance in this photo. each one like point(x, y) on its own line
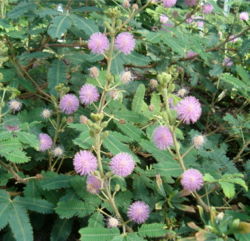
point(58, 151)
point(125, 42)
point(162, 137)
point(169, 3)
point(84, 162)
point(45, 142)
point(94, 184)
point(244, 16)
point(88, 94)
point(190, 3)
point(189, 109)
point(227, 62)
point(122, 164)
point(69, 104)
point(207, 8)
point(15, 105)
point(46, 113)
point(198, 141)
point(99, 43)
point(112, 222)
point(138, 212)
point(192, 180)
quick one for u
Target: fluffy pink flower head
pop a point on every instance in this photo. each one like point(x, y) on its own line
point(122, 164)
point(88, 94)
point(125, 42)
point(163, 18)
point(192, 180)
point(162, 137)
point(98, 43)
point(84, 162)
point(191, 54)
point(169, 3)
point(94, 184)
point(233, 38)
point(227, 62)
point(138, 212)
point(69, 104)
point(12, 128)
point(207, 8)
point(45, 142)
point(198, 141)
point(244, 16)
point(112, 222)
point(15, 105)
point(190, 3)
point(189, 109)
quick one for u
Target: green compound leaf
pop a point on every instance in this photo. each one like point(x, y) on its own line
point(34, 204)
point(71, 208)
point(55, 182)
point(138, 99)
point(102, 234)
point(21, 9)
point(19, 223)
point(153, 230)
point(60, 24)
point(86, 25)
point(61, 230)
point(56, 75)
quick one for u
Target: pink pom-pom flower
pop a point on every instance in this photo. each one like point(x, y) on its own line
point(122, 164)
point(94, 184)
point(192, 180)
point(84, 162)
point(15, 105)
point(69, 104)
point(162, 137)
point(98, 43)
point(207, 8)
point(125, 42)
point(138, 212)
point(189, 109)
point(190, 3)
point(227, 62)
point(169, 3)
point(45, 142)
point(244, 16)
point(88, 94)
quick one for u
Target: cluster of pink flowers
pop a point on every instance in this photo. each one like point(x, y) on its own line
point(207, 8)
point(138, 212)
point(88, 94)
point(189, 110)
point(244, 16)
point(99, 43)
point(69, 104)
point(122, 164)
point(45, 142)
point(227, 62)
point(84, 162)
point(192, 180)
point(94, 184)
point(15, 105)
point(190, 3)
point(169, 3)
point(162, 137)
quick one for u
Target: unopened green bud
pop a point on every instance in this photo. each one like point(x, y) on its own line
point(104, 124)
point(96, 116)
point(104, 134)
point(117, 187)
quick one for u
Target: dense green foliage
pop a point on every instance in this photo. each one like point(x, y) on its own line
point(44, 55)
